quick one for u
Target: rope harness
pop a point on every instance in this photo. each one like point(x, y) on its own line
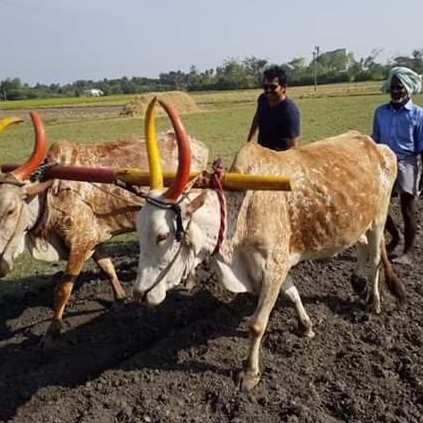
point(176, 208)
point(38, 173)
point(217, 185)
point(181, 233)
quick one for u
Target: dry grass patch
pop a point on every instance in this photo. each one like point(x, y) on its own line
point(183, 103)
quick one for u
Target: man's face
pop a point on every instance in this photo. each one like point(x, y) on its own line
point(273, 89)
point(398, 92)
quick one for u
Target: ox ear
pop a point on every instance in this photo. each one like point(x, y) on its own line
point(195, 204)
point(30, 191)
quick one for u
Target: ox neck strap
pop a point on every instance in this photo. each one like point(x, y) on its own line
point(179, 233)
point(5, 178)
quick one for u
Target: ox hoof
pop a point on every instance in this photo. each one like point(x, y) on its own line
point(246, 381)
point(49, 340)
point(307, 333)
point(375, 308)
point(305, 329)
point(373, 305)
point(119, 297)
point(359, 285)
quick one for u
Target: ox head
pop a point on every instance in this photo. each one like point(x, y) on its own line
point(164, 225)
point(15, 194)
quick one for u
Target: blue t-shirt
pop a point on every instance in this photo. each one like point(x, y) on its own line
point(401, 130)
point(276, 123)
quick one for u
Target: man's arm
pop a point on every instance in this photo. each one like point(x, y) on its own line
point(293, 124)
point(253, 128)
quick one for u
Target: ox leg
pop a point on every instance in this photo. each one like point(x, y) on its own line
point(62, 292)
point(290, 291)
point(248, 378)
point(375, 238)
point(104, 262)
point(358, 279)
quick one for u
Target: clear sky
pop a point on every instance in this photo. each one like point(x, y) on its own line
point(60, 41)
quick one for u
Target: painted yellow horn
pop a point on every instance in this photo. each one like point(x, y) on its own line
point(4, 123)
point(156, 175)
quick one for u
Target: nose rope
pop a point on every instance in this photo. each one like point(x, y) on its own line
point(217, 185)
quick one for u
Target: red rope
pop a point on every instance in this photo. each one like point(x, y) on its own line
point(217, 185)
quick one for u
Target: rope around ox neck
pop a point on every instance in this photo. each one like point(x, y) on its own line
point(217, 185)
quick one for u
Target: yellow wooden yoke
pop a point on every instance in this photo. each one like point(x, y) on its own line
point(230, 181)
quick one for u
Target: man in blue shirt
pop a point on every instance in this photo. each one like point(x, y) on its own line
point(277, 117)
point(399, 124)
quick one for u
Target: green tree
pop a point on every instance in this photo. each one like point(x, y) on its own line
point(12, 89)
point(254, 68)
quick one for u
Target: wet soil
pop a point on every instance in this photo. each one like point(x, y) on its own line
point(176, 363)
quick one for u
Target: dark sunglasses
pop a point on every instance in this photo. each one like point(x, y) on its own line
point(270, 87)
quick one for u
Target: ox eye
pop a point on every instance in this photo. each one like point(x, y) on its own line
point(161, 237)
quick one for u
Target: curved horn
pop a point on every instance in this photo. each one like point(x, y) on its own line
point(40, 148)
point(184, 154)
point(156, 175)
point(4, 123)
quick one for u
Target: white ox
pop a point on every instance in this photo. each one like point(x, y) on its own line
point(71, 220)
point(341, 197)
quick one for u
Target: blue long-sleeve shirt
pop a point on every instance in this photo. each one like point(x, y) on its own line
point(401, 130)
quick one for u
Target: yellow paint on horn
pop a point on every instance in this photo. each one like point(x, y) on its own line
point(156, 176)
point(4, 123)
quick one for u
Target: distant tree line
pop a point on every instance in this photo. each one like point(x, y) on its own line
point(329, 67)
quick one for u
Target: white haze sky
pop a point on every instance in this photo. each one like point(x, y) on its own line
point(58, 41)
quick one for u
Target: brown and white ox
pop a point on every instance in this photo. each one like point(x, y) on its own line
point(71, 220)
point(341, 197)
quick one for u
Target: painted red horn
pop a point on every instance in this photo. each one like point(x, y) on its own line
point(22, 172)
point(184, 154)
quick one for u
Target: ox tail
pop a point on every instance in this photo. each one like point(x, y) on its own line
point(395, 286)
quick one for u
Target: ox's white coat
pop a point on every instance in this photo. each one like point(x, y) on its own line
point(341, 197)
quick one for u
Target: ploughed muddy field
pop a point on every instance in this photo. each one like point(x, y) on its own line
point(176, 363)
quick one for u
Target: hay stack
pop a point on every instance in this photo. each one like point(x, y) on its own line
point(182, 102)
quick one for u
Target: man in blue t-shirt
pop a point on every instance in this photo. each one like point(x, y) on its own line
point(399, 124)
point(277, 117)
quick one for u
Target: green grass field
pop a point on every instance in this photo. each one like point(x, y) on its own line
point(222, 124)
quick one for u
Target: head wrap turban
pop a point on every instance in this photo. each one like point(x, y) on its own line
point(410, 79)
